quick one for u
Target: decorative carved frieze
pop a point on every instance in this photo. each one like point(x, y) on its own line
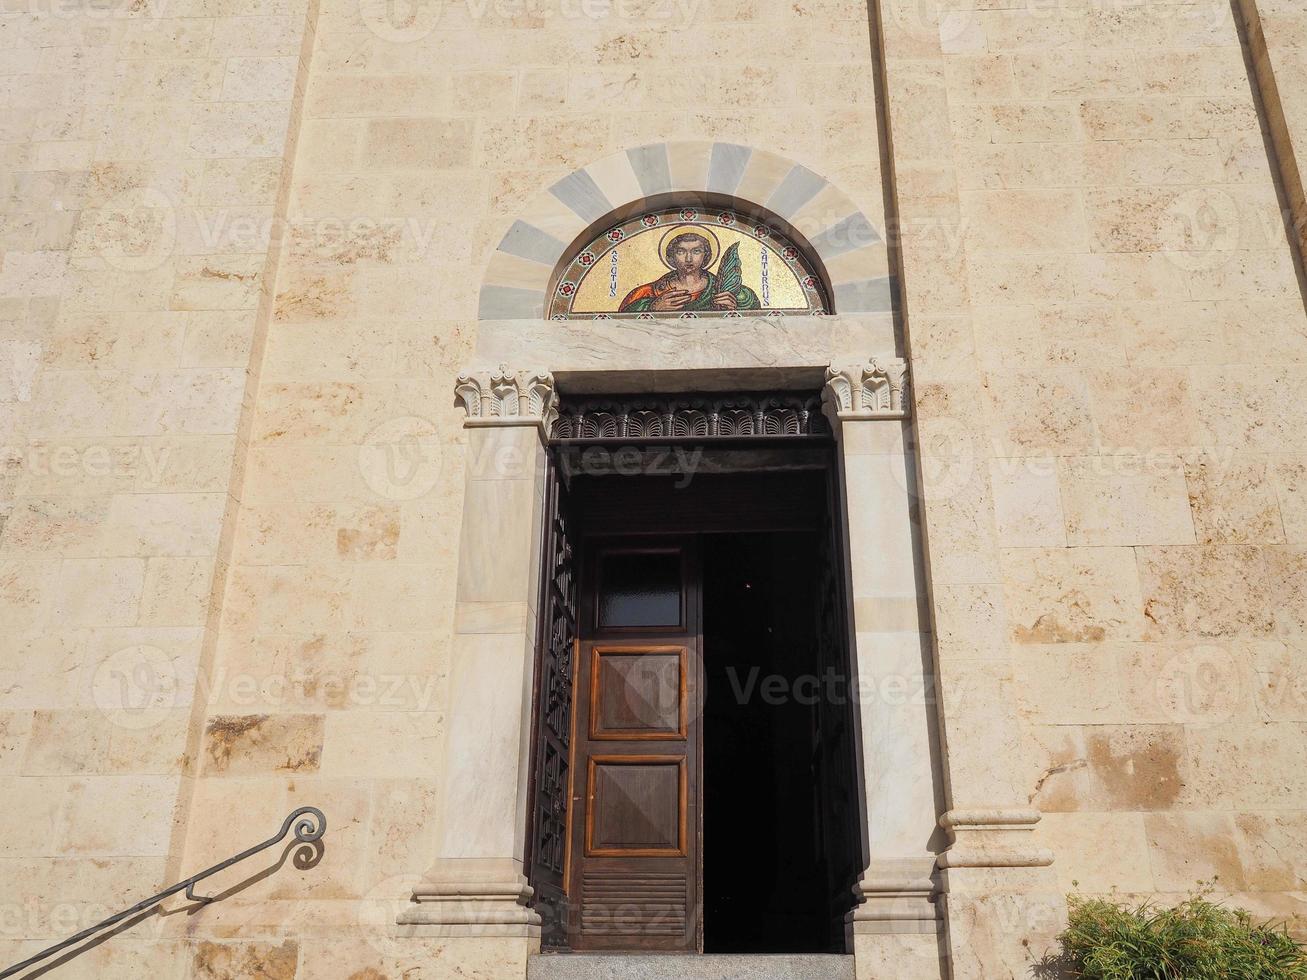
point(506, 397)
point(729, 415)
point(873, 389)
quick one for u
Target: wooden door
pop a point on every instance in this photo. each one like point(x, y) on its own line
point(635, 835)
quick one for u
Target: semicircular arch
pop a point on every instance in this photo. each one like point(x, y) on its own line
point(843, 244)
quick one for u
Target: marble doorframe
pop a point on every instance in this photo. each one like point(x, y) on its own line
point(997, 902)
point(477, 889)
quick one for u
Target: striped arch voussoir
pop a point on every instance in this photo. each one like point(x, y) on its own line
point(851, 249)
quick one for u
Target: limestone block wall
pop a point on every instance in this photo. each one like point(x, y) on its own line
point(1126, 322)
point(143, 150)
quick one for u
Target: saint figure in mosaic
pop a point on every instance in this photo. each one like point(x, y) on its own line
point(686, 262)
point(691, 286)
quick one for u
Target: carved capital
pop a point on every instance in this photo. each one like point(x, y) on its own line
point(505, 397)
point(875, 389)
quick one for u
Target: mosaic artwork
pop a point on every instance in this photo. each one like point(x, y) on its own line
point(687, 262)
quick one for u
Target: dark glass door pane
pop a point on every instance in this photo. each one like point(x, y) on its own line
point(640, 588)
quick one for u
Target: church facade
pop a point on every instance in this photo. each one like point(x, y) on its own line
point(823, 480)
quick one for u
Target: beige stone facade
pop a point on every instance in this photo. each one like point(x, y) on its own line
point(252, 557)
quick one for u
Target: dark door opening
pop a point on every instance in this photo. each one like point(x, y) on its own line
point(713, 792)
point(765, 881)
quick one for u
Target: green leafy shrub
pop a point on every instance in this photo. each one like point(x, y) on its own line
point(1196, 940)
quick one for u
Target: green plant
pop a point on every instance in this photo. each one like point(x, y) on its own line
point(1196, 940)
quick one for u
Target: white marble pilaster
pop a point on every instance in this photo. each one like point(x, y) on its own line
point(895, 926)
point(478, 885)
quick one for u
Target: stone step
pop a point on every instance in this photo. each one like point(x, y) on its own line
point(676, 966)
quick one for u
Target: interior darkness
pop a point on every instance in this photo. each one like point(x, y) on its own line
point(772, 882)
point(764, 879)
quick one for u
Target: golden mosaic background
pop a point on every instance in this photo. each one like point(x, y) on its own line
point(629, 255)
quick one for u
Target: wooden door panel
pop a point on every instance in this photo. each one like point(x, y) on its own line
point(638, 693)
point(637, 806)
point(634, 909)
point(634, 873)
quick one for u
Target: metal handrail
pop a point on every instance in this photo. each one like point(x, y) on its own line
point(311, 826)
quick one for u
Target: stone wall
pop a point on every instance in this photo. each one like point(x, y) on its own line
point(1116, 358)
point(143, 155)
point(234, 467)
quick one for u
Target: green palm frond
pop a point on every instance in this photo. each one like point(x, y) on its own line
point(729, 275)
